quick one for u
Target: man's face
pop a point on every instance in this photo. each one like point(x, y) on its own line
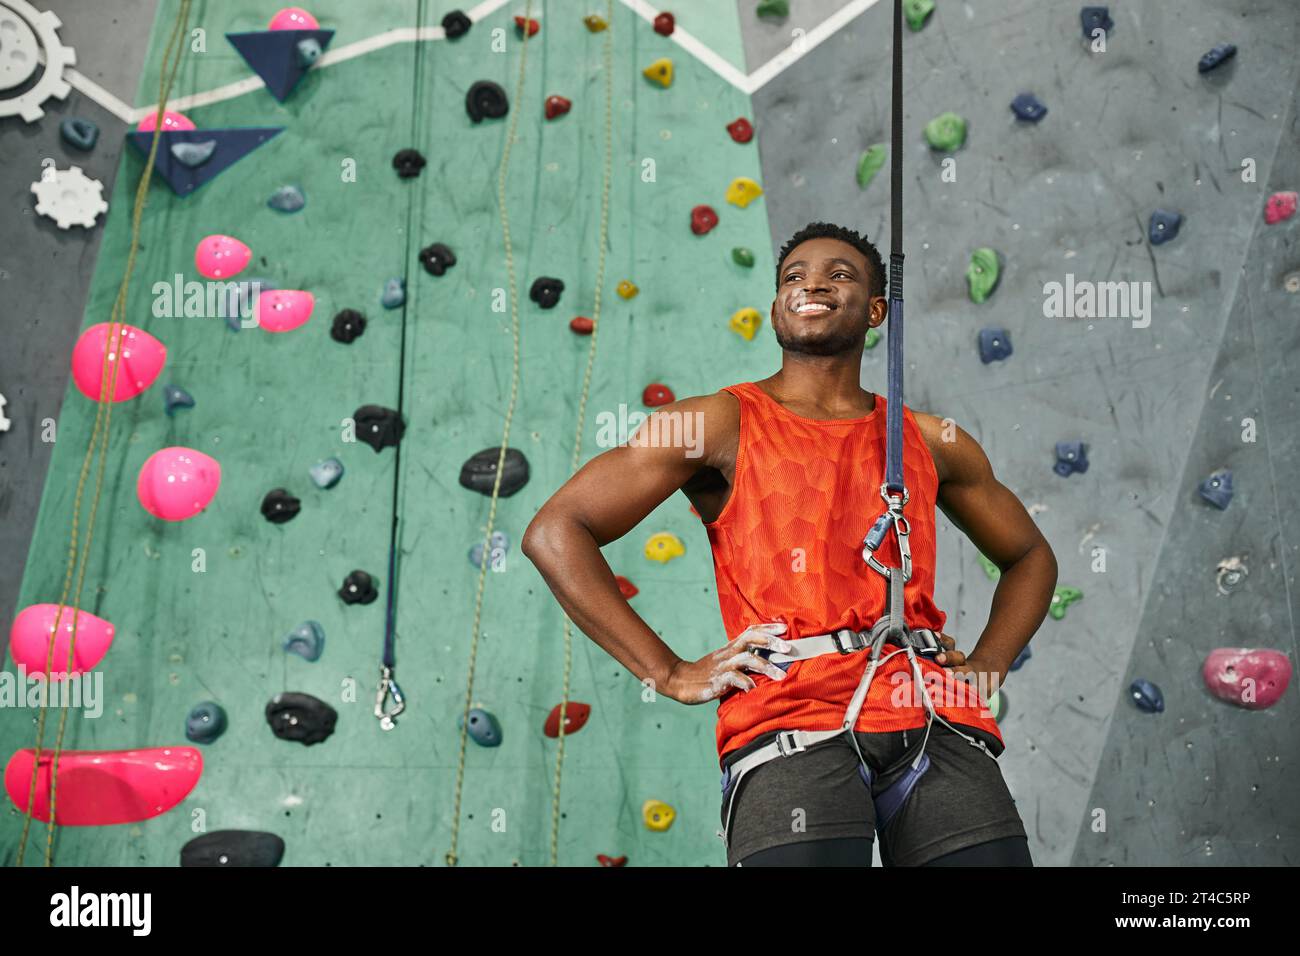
point(822, 306)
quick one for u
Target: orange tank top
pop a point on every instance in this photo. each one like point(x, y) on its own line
point(788, 547)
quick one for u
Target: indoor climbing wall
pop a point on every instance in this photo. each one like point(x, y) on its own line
point(1101, 148)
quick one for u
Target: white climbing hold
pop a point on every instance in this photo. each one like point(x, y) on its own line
point(69, 197)
point(21, 25)
point(4, 422)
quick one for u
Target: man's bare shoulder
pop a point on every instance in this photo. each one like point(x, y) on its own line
point(716, 417)
point(954, 451)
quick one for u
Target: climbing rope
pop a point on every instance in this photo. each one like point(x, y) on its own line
point(98, 446)
point(582, 406)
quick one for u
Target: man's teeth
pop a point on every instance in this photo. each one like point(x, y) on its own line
point(813, 307)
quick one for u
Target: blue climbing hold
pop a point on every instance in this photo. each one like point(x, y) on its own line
point(394, 293)
point(1216, 57)
point(175, 397)
point(1071, 458)
point(326, 474)
point(79, 133)
point(1096, 18)
point(205, 723)
point(995, 345)
point(287, 199)
point(241, 298)
point(1147, 696)
point(483, 728)
point(500, 545)
point(1163, 226)
point(1023, 656)
point(308, 51)
point(1217, 489)
point(193, 155)
point(307, 640)
point(1026, 106)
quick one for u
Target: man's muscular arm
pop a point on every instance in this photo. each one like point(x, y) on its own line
point(997, 524)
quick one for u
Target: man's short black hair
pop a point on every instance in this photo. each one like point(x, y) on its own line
point(828, 230)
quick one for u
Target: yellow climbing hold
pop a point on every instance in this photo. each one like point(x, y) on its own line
point(658, 815)
point(664, 546)
point(594, 23)
point(743, 191)
point(746, 322)
point(660, 71)
point(626, 289)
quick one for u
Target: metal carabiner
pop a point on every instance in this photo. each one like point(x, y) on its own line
point(388, 687)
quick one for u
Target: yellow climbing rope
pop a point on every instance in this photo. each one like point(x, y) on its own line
point(98, 446)
point(451, 857)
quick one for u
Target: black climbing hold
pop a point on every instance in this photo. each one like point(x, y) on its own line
point(408, 163)
point(307, 640)
point(300, 717)
point(437, 259)
point(1026, 106)
point(348, 326)
point(486, 99)
point(378, 427)
point(546, 291)
point(1023, 656)
point(995, 345)
point(175, 397)
point(1094, 18)
point(1216, 57)
point(194, 155)
point(205, 722)
point(358, 588)
point(1217, 489)
point(279, 506)
point(456, 24)
point(1071, 458)
point(480, 471)
point(1163, 226)
point(233, 848)
point(1147, 696)
point(79, 133)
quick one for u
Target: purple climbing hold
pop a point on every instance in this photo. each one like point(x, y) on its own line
point(995, 345)
point(1096, 18)
point(1164, 225)
point(1027, 107)
point(1217, 489)
point(1216, 57)
point(1147, 696)
point(1071, 458)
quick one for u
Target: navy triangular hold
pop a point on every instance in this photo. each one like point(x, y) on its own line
point(273, 55)
point(233, 144)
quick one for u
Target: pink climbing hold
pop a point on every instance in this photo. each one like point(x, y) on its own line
point(221, 257)
point(283, 310)
point(104, 787)
point(143, 357)
point(29, 640)
point(177, 483)
point(172, 122)
point(1280, 206)
point(293, 18)
point(1251, 678)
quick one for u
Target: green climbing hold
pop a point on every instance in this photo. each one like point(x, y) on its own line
point(991, 569)
point(870, 164)
point(742, 257)
point(873, 339)
point(998, 705)
point(1061, 599)
point(946, 132)
point(983, 273)
point(916, 12)
point(774, 8)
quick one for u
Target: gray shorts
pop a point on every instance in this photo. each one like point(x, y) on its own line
point(819, 794)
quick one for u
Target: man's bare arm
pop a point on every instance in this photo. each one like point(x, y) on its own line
point(995, 521)
point(608, 497)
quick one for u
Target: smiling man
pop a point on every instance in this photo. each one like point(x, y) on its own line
point(788, 486)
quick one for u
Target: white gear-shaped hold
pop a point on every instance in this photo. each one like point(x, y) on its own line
point(19, 19)
point(69, 197)
point(4, 422)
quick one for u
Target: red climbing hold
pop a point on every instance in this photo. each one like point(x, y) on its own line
point(557, 106)
point(582, 325)
point(575, 718)
point(1280, 206)
point(626, 587)
point(656, 394)
point(664, 24)
point(703, 218)
point(533, 25)
point(611, 860)
point(696, 513)
point(741, 130)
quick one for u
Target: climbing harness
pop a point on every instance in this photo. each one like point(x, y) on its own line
point(890, 628)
